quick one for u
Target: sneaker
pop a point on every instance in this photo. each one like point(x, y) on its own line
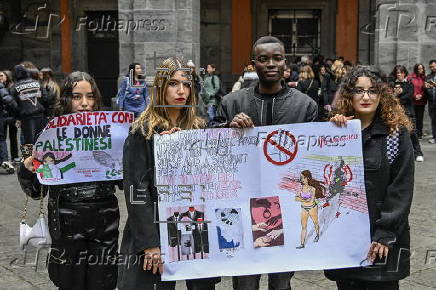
point(419, 159)
point(17, 159)
point(6, 165)
point(432, 141)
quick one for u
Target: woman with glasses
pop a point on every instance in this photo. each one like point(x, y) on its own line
point(389, 167)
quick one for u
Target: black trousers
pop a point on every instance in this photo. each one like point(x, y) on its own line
point(419, 115)
point(367, 285)
point(432, 113)
point(85, 255)
point(276, 281)
point(13, 141)
point(414, 137)
point(31, 128)
point(132, 276)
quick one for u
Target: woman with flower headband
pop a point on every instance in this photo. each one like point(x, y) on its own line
point(388, 169)
point(172, 87)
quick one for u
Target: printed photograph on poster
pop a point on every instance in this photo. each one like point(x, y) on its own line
point(266, 221)
point(187, 234)
point(229, 230)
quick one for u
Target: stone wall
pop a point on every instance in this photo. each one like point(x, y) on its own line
point(367, 21)
point(216, 37)
point(160, 29)
point(27, 35)
point(405, 33)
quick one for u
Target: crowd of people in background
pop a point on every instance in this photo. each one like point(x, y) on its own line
point(321, 79)
point(27, 96)
point(311, 90)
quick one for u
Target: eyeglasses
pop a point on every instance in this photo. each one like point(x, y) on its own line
point(372, 93)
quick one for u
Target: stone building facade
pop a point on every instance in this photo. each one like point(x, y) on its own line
point(106, 36)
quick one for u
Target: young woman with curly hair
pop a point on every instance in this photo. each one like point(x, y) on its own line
point(389, 167)
point(172, 108)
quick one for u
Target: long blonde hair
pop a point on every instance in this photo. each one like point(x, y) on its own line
point(155, 117)
point(338, 70)
point(306, 73)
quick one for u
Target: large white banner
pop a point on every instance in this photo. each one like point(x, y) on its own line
point(82, 147)
point(262, 200)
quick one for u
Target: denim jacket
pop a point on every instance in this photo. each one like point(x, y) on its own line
point(130, 98)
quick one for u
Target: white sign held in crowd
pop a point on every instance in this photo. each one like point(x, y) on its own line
point(82, 147)
point(261, 200)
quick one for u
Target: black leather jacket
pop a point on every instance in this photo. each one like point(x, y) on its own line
point(75, 192)
point(389, 192)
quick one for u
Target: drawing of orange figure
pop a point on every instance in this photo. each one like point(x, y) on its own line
point(310, 190)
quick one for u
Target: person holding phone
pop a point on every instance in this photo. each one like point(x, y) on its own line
point(403, 90)
point(419, 98)
point(430, 89)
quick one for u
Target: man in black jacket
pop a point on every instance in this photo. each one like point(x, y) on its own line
point(430, 89)
point(270, 102)
point(29, 102)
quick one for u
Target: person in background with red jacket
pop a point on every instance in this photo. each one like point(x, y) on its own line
point(419, 99)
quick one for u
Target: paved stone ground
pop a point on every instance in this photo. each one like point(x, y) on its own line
point(422, 221)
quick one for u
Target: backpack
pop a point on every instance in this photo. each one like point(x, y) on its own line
point(220, 93)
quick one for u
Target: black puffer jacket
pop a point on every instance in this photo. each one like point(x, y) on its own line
point(28, 99)
point(389, 180)
point(5, 96)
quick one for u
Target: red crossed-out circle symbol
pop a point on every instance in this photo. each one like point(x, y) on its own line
point(279, 140)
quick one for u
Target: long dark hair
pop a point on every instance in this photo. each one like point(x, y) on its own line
point(8, 83)
point(319, 188)
point(415, 69)
point(63, 104)
point(132, 67)
point(400, 68)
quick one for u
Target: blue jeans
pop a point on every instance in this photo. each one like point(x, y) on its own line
point(211, 112)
